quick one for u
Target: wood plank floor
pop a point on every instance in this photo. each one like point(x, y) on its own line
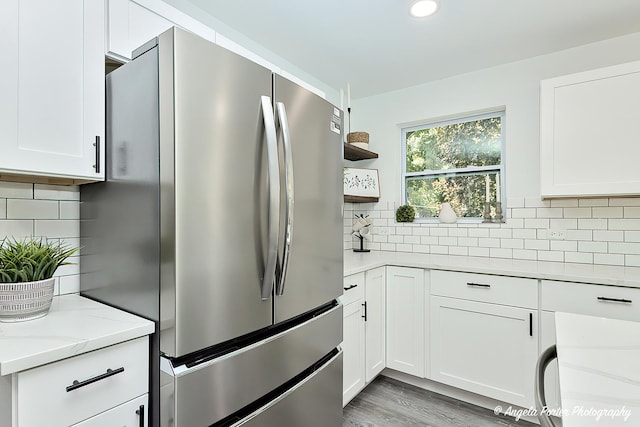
point(390, 403)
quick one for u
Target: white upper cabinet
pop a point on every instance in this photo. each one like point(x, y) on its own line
point(52, 86)
point(132, 23)
point(589, 127)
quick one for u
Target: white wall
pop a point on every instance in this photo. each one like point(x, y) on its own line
point(514, 86)
point(598, 231)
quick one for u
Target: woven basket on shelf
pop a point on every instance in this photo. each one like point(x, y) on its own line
point(362, 137)
point(25, 300)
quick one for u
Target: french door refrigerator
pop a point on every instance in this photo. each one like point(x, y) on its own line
point(221, 220)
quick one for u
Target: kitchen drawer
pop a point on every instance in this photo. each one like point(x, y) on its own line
point(595, 300)
point(44, 398)
point(353, 288)
point(130, 414)
point(513, 291)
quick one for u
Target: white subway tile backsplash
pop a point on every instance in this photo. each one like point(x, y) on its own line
point(549, 212)
point(598, 247)
point(564, 203)
point(16, 190)
point(479, 252)
point(56, 192)
point(525, 254)
point(523, 213)
point(536, 223)
point(577, 212)
point(624, 201)
point(578, 257)
point(593, 202)
point(608, 236)
point(564, 245)
point(631, 212)
point(624, 248)
point(512, 243)
point(69, 284)
point(624, 224)
point(488, 243)
point(411, 240)
point(58, 229)
point(599, 231)
point(592, 224)
point(610, 259)
point(500, 253)
point(478, 232)
point(17, 229)
point(608, 212)
point(579, 235)
point(32, 209)
point(551, 256)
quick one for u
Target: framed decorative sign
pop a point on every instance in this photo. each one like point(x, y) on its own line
point(361, 182)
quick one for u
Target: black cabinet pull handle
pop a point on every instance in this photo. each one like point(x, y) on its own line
point(77, 384)
point(364, 304)
point(530, 324)
point(350, 287)
point(478, 285)
point(97, 145)
point(626, 301)
point(140, 412)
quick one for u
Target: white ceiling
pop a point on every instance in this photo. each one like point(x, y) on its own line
point(377, 46)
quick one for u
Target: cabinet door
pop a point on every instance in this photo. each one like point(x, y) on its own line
point(52, 74)
point(551, 379)
point(487, 349)
point(588, 133)
point(405, 320)
point(375, 322)
point(130, 414)
point(353, 351)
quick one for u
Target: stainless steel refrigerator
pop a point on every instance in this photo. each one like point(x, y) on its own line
point(221, 220)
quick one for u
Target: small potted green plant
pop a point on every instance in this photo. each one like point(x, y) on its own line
point(405, 213)
point(26, 276)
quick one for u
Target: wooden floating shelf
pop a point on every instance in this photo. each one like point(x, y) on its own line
point(360, 199)
point(351, 152)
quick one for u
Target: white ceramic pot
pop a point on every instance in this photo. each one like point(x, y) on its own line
point(26, 300)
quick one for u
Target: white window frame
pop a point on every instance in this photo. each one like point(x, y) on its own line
point(445, 172)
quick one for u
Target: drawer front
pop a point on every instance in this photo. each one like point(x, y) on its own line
point(595, 300)
point(515, 291)
point(130, 414)
point(353, 288)
point(42, 394)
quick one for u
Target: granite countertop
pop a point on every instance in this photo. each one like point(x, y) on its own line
point(599, 370)
point(585, 273)
point(74, 325)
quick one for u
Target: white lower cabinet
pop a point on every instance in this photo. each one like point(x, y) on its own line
point(101, 388)
point(363, 342)
point(353, 348)
point(405, 320)
point(131, 414)
point(375, 317)
point(487, 349)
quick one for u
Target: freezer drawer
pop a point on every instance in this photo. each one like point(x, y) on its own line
point(213, 390)
point(314, 402)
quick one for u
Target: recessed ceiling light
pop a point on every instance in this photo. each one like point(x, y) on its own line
point(423, 8)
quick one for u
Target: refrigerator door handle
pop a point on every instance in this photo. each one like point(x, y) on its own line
point(289, 191)
point(274, 198)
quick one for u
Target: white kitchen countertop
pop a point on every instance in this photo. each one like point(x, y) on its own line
point(74, 325)
point(599, 367)
point(586, 273)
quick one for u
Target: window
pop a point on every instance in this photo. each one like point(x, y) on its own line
point(450, 162)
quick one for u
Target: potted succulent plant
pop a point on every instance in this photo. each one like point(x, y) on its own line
point(26, 276)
